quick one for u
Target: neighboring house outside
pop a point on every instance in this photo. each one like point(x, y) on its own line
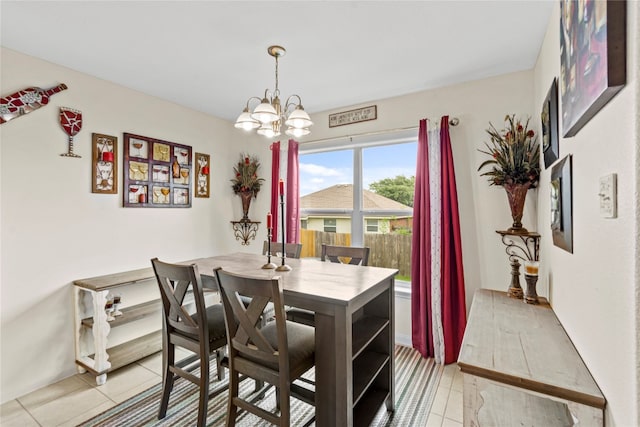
point(340, 197)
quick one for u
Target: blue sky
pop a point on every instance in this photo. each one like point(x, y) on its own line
point(322, 170)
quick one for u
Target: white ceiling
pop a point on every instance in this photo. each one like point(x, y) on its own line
point(212, 55)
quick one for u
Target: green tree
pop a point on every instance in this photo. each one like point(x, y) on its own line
point(399, 189)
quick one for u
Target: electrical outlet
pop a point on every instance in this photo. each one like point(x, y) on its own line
point(608, 196)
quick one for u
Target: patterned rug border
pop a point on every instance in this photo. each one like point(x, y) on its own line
point(416, 383)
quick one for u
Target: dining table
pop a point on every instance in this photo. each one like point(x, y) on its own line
point(354, 329)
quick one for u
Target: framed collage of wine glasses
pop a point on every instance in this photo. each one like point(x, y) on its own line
point(104, 161)
point(157, 174)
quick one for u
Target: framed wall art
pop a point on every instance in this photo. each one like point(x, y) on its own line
point(104, 162)
point(549, 117)
point(202, 174)
point(561, 204)
point(592, 58)
point(157, 174)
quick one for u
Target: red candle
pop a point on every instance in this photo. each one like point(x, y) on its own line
point(281, 186)
point(269, 217)
point(107, 156)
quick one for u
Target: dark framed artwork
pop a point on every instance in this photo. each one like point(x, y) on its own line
point(592, 58)
point(104, 163)
point(549, 117)
point(561, 204)
point(157, 174)
point(202, 174)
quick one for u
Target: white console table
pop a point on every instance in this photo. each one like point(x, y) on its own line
point(521, 368)
point(92, 353)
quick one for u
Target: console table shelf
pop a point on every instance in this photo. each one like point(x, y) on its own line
point(92, 328)
point(130, 314)
point(520, 365)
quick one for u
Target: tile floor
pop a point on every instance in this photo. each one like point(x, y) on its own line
point(77, 398)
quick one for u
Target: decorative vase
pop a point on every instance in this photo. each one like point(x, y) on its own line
point(246, 203)
point(517, 194)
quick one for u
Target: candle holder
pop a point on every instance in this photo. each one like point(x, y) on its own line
point(531, 277)
point(526, 250)
point(269, 265)
point(531, 297)
point(284, 266)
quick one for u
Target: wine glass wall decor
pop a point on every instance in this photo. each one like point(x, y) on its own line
point(157, 174)
point(105, 163)
point(202, 174)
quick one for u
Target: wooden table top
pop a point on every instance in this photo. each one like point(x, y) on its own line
point(524, 345)
point(330, 282)
point(325, 281)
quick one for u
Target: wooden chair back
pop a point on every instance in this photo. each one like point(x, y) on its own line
point(293, 249)
point(247, 345)
point(174, 282)
point(345, 254)
point(250, 352)
point(182, 327)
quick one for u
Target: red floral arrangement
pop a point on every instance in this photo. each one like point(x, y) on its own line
point(515, 154)
point(246, 175)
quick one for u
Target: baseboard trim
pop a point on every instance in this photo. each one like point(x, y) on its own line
point(404, 340)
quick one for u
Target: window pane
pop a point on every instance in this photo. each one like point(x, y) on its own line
point(388, 174)
point(388, 182)
point(321, 171)
point(329, 225)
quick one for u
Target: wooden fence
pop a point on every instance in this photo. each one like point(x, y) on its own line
point(387, 250)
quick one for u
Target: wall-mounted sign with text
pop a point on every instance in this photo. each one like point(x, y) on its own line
point(353, 116)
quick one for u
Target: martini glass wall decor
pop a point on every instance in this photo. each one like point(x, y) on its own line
point(159, 171)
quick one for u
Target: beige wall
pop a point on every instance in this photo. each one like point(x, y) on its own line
point(594, 290)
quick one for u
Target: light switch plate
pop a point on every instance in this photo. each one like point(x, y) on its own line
point(608, 196)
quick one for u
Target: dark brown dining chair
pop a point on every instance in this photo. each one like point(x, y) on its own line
point(293, 249)
point(201, 331)
point(338, 254)
point(345, 254)
point(277, 353)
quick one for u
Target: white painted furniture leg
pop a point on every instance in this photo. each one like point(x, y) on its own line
point(101, 330)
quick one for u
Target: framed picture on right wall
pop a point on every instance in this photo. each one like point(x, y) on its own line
point(592, 58)
point(561, 201)
point(549, 118)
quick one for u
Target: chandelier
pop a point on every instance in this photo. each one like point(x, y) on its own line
point(269, 116)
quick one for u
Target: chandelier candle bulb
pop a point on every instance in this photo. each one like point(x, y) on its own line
point(531, 268)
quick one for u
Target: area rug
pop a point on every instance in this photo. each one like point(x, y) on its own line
point(416, 382)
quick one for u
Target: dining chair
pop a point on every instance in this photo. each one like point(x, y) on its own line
point(293, 249)
point(202, 332)
point(277, 353)
point(339, 254)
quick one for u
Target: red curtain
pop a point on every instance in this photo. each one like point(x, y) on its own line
point(293, 194)
point(421, 334)
point(275, 177)
point(454, 313)
point(438, 314)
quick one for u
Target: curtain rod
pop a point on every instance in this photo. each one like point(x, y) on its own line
point(454, 121)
